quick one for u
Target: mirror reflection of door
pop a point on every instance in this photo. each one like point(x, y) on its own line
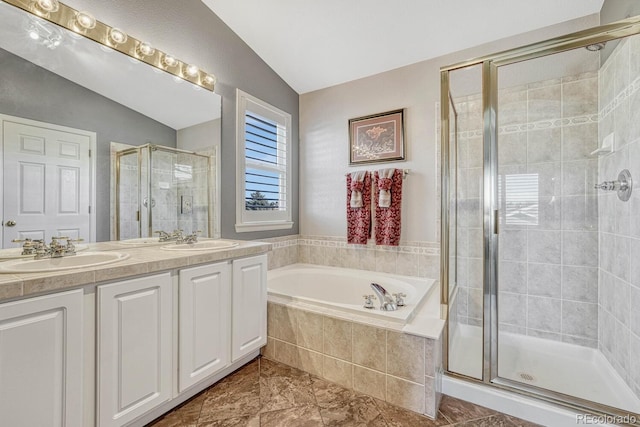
point(47, 181)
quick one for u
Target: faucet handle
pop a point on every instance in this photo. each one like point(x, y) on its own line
point(368, 301)
point(25, 241)
point(400, 296)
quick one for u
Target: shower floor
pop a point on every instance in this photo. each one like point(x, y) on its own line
point(565, 368)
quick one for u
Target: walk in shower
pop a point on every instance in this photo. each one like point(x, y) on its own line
point(541, 222)
point(162, 188)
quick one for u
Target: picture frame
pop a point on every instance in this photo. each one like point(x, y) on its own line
point(377, 138)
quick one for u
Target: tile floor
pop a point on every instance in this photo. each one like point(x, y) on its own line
point(266, 393)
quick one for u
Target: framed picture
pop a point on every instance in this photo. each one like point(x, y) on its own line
point(377, 138)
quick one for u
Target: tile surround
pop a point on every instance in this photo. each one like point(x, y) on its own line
point(399, 368)
point(546, 128)
point(419, 259)
point(619, 281)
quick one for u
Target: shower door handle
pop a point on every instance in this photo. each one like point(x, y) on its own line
point(496, 221)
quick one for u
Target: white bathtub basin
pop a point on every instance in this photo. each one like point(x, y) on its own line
point(343, 289)
point(205, 245)
point(16, 253)
point(82, 260)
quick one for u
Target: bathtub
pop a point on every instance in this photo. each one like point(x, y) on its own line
point(342, 289)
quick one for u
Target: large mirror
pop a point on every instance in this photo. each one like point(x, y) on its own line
point(66, 103)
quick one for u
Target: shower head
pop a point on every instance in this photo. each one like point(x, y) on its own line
point(595, 47)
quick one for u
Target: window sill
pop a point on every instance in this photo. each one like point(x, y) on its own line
point(263, 226)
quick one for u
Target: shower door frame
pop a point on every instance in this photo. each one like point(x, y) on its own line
point(151, 148)
point(490, 65)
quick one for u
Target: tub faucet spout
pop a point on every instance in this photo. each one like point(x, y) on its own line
point(386, 301)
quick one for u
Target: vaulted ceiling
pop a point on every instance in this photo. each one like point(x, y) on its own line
point(316, 44)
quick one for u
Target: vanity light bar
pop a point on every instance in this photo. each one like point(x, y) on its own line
point(83, 23)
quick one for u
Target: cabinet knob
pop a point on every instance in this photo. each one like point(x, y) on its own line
point(10, 223)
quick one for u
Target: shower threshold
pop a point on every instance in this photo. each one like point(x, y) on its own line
point(562, 367)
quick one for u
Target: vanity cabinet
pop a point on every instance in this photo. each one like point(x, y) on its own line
point(249, 310)
point(134, 352)
point(41, 351)
point(204, 322)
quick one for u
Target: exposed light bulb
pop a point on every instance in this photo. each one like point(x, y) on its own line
point(209, 79)
point(86, 20)
point(145, 49)
point(191, 70)
point(48, 6)
point(169, 61)
point(117, 36)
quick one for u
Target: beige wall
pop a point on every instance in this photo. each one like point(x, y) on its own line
point(324, 138)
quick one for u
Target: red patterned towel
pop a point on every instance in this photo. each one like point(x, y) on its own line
point(359, 219)
point(388, 218)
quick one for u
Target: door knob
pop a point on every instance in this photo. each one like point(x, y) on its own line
point(10, 223)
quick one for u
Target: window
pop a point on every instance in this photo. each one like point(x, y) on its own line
point(264, 166)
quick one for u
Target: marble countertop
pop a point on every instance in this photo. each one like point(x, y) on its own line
point(143, 259)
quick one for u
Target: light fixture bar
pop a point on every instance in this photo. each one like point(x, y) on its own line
point(116, 39)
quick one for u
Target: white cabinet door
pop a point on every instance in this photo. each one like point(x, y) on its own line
point(134, 348)
point(41, 361)
point(204, 322)
point(249, 295)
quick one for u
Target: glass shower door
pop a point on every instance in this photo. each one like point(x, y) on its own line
point(128, 195)
point(563, 266)
point(465, 270)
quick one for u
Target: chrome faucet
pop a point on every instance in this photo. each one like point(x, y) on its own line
point(386, 301)
point(53, 250)
point(189, 239)
point(175, 235)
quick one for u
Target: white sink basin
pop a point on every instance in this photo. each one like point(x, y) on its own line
point(205, 245)
point(81, 260)
point(141, 241)
point(16, 253)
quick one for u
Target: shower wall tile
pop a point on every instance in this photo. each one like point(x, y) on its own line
point(513, 245)
point(619, 221)
point(634, 312)
point(513, 277)
point(544, 103)
point(580, 97)
point(510, 309)
point(543, 247)
point(544, 145)
point(544, 314)
point(579, 141)
point(580, 319)
point(549, 177)
point(580, 248)
point(544, 280)
point(580, 284)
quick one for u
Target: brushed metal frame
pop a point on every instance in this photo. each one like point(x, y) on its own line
point(490, 65)
point(65, 17)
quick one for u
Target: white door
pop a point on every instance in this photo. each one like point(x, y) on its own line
point(134, 348)
point(204, 322)
point(249, 295)
point(41, 361)
point(47, 182)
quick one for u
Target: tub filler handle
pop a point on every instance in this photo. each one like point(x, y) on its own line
point(386, 302)
point(400, 296)
point(368, 301)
